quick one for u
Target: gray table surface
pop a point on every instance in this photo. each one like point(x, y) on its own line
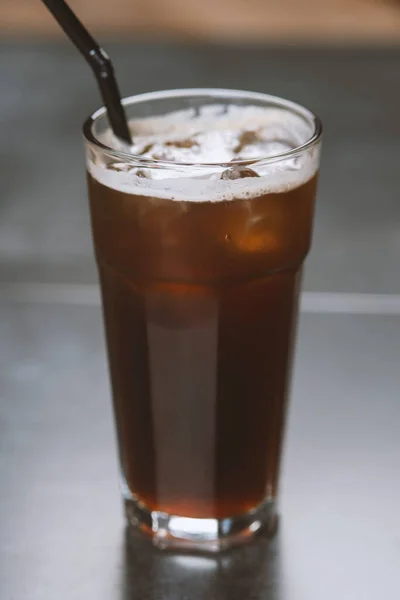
point(61, 529)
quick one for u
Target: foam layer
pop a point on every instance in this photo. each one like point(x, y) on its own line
point(211, 134)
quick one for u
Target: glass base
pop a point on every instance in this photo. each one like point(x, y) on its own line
point(210, 535)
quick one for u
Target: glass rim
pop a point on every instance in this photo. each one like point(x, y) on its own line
point(275, 101)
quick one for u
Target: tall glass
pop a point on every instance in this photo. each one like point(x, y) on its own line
point(200, 267)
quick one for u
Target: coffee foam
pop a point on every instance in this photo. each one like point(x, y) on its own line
point(211, 134)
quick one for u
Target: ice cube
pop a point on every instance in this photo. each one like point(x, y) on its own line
point(119, 167)
point(246, 138)
point(181, 143)
point(238, 172)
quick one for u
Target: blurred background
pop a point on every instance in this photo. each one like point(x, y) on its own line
point(220, 20)
point(60, 517)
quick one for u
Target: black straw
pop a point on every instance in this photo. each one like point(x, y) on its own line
point(99, 62)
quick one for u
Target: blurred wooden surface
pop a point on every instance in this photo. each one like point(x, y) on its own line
point(247, 20)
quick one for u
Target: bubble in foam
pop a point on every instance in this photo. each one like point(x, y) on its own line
point(212, 134)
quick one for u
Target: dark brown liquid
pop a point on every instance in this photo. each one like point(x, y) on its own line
point(200, 303)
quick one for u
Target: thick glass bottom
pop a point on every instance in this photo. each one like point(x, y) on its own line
point(210, 535)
